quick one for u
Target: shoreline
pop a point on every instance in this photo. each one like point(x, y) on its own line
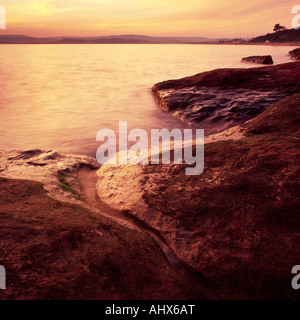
point(224, 98)
point(288, 44)
point(199, 224)
point(272, 44)
point(88, 181)
point(200, 234)
point(227, 207)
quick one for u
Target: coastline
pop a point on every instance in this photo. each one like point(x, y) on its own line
point(222, 218)
point(271, 44)
point(220, 99)
point(221, 221)
point(274, 44)
point(199, 232)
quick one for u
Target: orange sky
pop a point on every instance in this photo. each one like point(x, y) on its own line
point(222, 18)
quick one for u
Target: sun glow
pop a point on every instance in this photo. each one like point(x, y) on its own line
point(153, 17)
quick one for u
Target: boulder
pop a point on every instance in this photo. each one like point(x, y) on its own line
point(259, 59)
point(295, 54)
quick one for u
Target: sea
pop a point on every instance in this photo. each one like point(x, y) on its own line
point(57, 97)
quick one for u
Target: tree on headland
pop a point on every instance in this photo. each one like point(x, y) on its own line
point(278, 27)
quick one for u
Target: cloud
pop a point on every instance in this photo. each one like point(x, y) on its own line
point(158, 17)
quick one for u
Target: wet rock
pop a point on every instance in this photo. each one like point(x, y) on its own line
point(237, 224)
point(223, 98)
point(259, 59)
point(295, 54)
point(57, 171)
point(216, 109)
point(283, 77)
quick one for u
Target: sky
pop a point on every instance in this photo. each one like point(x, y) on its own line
point(215, 19)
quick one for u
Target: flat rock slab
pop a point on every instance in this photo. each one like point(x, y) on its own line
point(223, 98)
point(216, 109)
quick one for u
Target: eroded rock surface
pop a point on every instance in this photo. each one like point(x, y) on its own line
point(216, 109)
point(238, 223)
point(60, 247)
point(219, 99)
point(57, 171)
point(61, 251)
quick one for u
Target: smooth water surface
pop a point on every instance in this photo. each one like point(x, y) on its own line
point(59, 96)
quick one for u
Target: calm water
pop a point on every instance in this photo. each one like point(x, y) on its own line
point(60, 96)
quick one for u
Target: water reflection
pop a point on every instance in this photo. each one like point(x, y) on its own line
point(60, 96)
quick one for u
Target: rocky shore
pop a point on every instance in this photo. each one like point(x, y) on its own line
point(235, 227)
point(237, 224)
point(55, 245)
point(219, 99)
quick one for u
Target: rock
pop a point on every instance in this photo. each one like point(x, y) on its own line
point(53, 242)
point(237, 224)
point(223, 98)
point(295, 54)
point(57, 171)
point(259, 59)
point(55, 250)
point(216, 109)
point(284, 78)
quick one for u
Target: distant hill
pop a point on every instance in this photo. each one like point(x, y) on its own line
point(290, 35)
point(21, 39)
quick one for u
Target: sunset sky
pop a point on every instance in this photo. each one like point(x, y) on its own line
point(226, 18)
